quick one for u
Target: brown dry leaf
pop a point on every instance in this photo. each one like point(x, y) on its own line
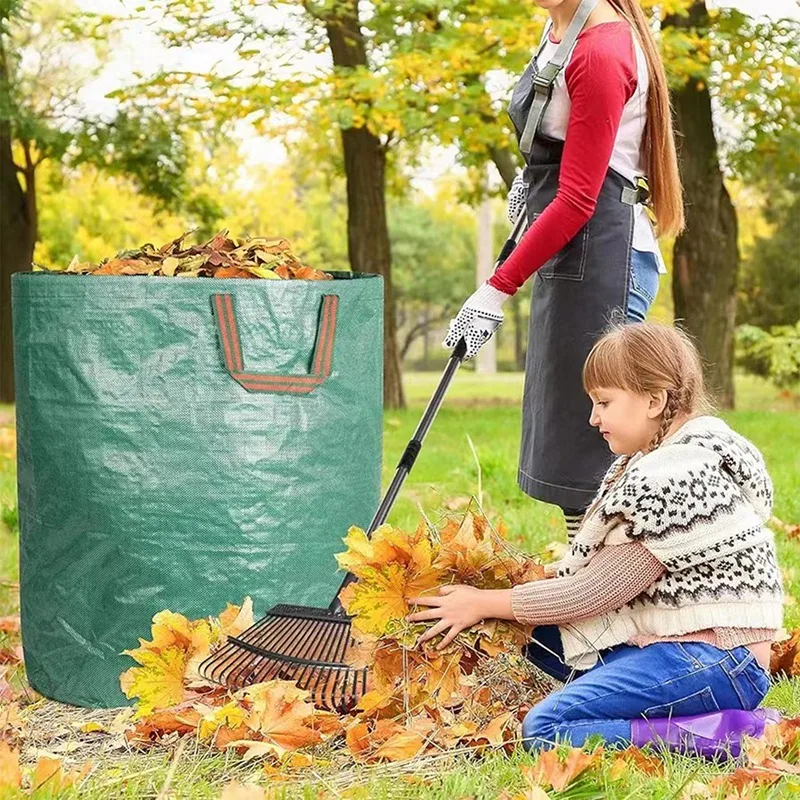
point(496, 733)
point(233, 272)
point(388, 739)
point(552, 771)
point(242, 791)
point(9, 624)
point(11, 655)
point(49, 775)
point(282, 714)
point(154, 726)
point(785, 656)
point(10, 772)
point(633, 756)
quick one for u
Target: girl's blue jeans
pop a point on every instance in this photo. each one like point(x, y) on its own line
point(643, 285)
point(665, 679)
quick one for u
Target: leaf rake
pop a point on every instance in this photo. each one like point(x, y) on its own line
point(310, 646)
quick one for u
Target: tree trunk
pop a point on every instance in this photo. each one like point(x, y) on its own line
point(506, 164)
point(365, 171)
point(706, 254)
point(17, 235)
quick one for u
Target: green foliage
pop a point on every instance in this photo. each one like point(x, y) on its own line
point(9, 517)
point(774, 354)
point(433, 262)
point(769, 283)
point(144, 144)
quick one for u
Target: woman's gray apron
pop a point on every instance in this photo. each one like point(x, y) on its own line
point(575, 296)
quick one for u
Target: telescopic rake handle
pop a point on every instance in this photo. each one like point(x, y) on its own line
point(413, 448)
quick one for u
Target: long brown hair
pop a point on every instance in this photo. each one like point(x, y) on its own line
point(661, 160)
point(644, 357)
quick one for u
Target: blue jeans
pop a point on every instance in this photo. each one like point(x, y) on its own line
point(643, 285)
point(665, 679)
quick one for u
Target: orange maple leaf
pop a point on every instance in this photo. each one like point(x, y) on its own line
point(551, 771)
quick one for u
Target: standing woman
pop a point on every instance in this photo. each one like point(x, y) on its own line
point(592, 116)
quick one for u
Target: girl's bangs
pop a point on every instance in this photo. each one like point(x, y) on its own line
point(607, 366)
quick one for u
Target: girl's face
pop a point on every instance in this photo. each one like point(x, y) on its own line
point(628, 421)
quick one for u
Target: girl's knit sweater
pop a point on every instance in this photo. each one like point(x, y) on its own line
point(691, 515)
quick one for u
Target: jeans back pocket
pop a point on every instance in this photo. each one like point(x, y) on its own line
point(700, 702)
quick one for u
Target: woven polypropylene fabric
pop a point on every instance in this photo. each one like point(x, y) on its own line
point(150, 479)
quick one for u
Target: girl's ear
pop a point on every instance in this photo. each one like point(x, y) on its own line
point(657, 403)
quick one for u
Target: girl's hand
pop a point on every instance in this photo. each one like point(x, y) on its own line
point(457, 607)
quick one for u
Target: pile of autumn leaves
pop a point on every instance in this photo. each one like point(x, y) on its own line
point(420, 699)
point(220, 257)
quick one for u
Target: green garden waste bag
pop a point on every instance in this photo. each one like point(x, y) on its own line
point(182, 444)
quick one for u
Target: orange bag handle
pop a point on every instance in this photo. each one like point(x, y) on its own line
point(231, 346)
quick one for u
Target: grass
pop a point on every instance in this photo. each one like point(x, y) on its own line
point(485, 409)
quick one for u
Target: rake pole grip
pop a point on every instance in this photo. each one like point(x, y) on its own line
point(410, 454)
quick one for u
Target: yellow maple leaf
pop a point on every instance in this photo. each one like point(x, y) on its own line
point(231, 715)
point(381, 596)
point(158, 682)
point(176, 649)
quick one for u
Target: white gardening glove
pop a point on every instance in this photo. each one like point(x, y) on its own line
point(478, 319)
point(517, 196)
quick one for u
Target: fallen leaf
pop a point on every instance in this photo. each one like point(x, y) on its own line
point(550, 770)
point(157, 724)
point(10, 772)
point(241, 791)
point(9, 624)
point(785, 656)
point(237, 619)
point(282, 714)
point(696, 790)
point(11, 655)
point(49, 774)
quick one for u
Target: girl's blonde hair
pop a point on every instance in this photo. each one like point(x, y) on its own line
point(658, 142)
point(644, 357)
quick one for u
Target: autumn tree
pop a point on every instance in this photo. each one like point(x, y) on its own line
point(41, 46)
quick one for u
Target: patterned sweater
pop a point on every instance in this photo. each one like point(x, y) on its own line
point(698, 503)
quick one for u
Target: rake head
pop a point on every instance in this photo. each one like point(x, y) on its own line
point(305, 645)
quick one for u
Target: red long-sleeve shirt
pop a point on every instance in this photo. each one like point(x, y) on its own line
point(600, 79)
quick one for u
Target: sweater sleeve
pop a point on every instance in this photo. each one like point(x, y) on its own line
point(600, 79)
point(616, 575)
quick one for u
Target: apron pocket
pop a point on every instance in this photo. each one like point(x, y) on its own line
point(568, 263)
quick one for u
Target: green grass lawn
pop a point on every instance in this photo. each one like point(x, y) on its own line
point(485, 409)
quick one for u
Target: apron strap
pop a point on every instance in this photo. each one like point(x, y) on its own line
point(544, 78)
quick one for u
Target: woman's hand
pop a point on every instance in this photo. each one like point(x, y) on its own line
point(460, 607)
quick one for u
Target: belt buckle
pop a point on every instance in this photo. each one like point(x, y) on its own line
point(643, 190)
